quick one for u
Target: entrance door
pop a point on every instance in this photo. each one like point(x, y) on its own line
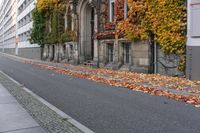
point(87, 31)
point(126, 53)
point(110, 52)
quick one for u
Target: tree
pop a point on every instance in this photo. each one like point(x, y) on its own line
point(165, 19)
point(48, 22)
point(37, 33)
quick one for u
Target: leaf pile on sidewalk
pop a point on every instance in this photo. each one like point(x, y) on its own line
point(153, 84)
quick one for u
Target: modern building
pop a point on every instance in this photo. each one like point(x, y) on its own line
point(8, 20)
point(15, 28)
point(24, 25)
point(193, 40)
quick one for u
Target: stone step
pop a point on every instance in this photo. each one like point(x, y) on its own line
point(109, 66)
point(124, 68)
point(89, 63)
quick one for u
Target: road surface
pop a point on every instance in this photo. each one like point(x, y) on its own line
point(104, 108)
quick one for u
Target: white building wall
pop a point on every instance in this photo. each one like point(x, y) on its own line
point(192, 41)
point(24, 23)
point(8, 17)
point(15, 28)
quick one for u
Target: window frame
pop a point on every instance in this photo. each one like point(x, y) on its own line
point(111, 14)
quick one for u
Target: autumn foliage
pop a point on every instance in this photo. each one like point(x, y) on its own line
point(133, 81)
point(165, 19)
point(119, 9)
point(49, 24)
point(44, 5)
point(133, 27)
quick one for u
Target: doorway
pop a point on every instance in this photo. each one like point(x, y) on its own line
point(87, 22)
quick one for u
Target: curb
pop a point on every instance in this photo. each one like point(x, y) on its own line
point(52, 107)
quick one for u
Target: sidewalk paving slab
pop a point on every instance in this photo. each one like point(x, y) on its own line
point(13, 117)
point(6, 97)
point(29, 130)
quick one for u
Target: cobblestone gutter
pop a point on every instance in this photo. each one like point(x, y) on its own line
point(46, 118)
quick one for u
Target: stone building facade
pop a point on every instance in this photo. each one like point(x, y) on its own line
point(92, 37)
point(97, 42)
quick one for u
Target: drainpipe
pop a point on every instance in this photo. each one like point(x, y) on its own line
point(155, 57)
point(98, 29)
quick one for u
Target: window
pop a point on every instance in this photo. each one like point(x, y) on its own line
point(112, 10)
point(110, 52)
point(125, 9)
point(126, 53)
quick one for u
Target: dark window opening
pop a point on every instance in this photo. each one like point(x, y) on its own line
point(126, 53)
point(110, 53)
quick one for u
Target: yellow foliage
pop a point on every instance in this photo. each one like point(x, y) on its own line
point(166, 19)
point(43, 5)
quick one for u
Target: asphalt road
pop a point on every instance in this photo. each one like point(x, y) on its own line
point(103, 108)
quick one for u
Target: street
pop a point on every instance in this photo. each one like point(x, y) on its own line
point(104, 108)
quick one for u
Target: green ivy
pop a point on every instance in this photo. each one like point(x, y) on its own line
point(38, 34)
point(51, 15)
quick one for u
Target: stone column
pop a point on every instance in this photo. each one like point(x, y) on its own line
point(60, 52)
point(75, 53)
point(44, 54)
point(120, 53)
point(132, 56)
point(57, 53)
point(50, 53)
point(96, 47)
point(102, 54)
point(116, 53)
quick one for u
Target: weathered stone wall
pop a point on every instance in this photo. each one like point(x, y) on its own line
point(140, 56)
point(104, 11)
point(67, 52)
point(167, 64)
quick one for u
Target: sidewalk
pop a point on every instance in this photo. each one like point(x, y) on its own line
point(14, 118)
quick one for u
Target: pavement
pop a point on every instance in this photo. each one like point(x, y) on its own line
point(104, 108)
point(13, 117)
